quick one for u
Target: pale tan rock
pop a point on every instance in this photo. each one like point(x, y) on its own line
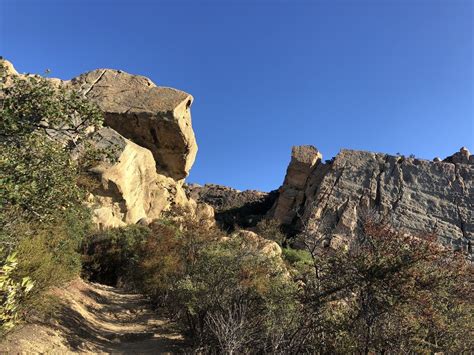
point(157, 118)
point(205, 212)
point(7, 68)
point(200, 212)
point(130, 188)
point(303, 161)
point(151, 133)
point(256, 242)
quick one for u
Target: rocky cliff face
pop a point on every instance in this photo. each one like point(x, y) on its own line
point(419, 195)
point(149, 130)
point(233, 208)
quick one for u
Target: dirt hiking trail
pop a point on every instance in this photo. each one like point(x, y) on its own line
point(96, 318)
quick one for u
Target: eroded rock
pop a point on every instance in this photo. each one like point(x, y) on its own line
point(291, 195)
point(130, 190)
point(416, 194)
point(255, 242)
point(149, 130)
point(157, 118)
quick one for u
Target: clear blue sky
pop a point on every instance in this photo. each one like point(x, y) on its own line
point(386, 76)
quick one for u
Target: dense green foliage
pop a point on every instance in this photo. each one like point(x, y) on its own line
point(297, 256)
point(42, 218)
point(39, 125)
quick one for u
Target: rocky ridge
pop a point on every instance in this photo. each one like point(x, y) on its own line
point(418, 195)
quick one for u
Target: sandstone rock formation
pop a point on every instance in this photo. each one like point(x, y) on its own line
point(130, 188)
point(292, 193)
point(157, 118)
point(415, 194)
point(149, 130)
point(233, 207)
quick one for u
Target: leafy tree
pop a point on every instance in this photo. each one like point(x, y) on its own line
point(42, 219)
point(40, 124)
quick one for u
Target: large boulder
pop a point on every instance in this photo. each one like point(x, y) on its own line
point(415, 194)
point(157, 118)
point(150, 135)
point(255, 242)
point(129, 190)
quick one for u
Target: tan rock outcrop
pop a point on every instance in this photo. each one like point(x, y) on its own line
point(303, 161)
point(130, 188)
point(157, 118)
point(7, 69)
point(149, 130)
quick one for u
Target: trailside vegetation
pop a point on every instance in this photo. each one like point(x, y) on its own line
point(385, 291)
point(43, 219)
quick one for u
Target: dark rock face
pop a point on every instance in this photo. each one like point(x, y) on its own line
point(233, 207)
point(417, 195)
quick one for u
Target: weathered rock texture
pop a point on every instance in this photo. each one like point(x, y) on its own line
point(256, 243)
point(149, 131)
point(233, 207)
point(292, 193)
point(157, 118)
point(417, 195)
point(130, 188)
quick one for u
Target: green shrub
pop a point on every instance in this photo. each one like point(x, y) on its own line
point(271, 229)
point(39, 126)
point(12, 293)
point(111, 256)
point(297, 256)
point(234, 299)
